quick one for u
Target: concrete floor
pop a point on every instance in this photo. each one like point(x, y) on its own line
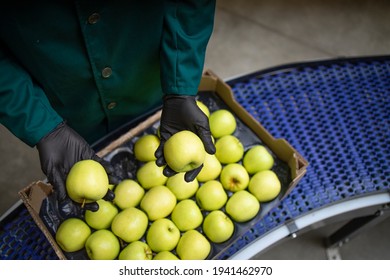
point(251, 35)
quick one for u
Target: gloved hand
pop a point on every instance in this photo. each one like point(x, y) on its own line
point(58, 152)
point(180, 112)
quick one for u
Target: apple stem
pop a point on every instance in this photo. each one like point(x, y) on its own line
point(83, 203)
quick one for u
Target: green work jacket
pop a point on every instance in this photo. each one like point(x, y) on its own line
point(96, 64)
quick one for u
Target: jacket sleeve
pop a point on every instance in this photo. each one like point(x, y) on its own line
point(24, 109)
point(188, 25)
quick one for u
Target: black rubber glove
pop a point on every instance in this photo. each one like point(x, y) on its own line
point(58, 152)
point(180, 112)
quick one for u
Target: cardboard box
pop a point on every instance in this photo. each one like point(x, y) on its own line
point(33, 197)
point(290, 165)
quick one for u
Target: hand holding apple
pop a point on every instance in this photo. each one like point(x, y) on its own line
point(181, 112)
point(59, 151)
point(184, 151)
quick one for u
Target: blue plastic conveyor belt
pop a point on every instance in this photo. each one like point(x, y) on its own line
point(21, 239)
point(335, 113)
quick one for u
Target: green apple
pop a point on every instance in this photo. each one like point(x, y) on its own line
point(211, 169)
point(229, 149)
point(103, 217)
point(128, 193)
point(87, 181)
point(145, 147)
point(72, 234)
point(184, 151)
point(150, 175)
point(130, 224)
point(257, 158)
point(203, 107)
point(186, 215)
point(162, 235)
point(165, 255)
point(211, 195)
point(217, 226)
point(158, 131)
point(158, 202)
point(193, 246)
point(180, 187)
point(102, 245)
point(222, 122)
point(265, 185)
point(136, 250)
point(242, 206)
point(234, 177)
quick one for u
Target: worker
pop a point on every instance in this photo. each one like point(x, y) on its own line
point(73, 71)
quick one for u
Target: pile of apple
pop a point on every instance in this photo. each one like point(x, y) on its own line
point(158, 217)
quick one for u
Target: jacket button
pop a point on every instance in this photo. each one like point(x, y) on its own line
point(111, 105)
point(106, 72)
point(93, 18)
